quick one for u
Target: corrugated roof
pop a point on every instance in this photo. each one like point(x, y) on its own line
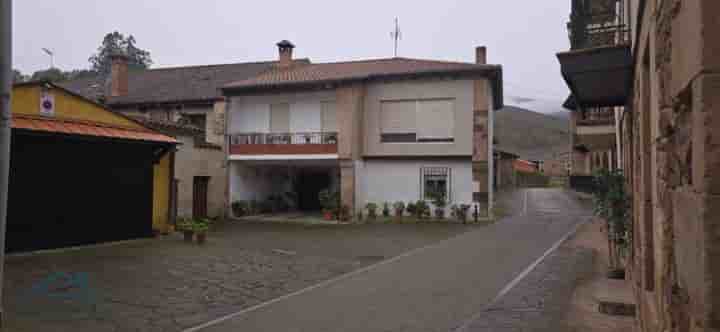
point(168, 85)
point(86, 128)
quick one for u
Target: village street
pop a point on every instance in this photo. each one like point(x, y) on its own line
point(430, 277)
point(441, 287)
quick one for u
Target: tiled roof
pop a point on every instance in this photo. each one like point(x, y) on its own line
point(170, 127)
point(301, 74)
point(167, 85)
point(86, 128)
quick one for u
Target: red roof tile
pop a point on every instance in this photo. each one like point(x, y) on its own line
point(355, 70)
point(86, 128)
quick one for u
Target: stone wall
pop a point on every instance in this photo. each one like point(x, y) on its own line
point(671, 150)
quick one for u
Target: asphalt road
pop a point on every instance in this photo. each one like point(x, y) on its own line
point(436, 288)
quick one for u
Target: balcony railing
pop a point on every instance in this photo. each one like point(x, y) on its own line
point(284, 138)
point(601, 116)
point(596, 23)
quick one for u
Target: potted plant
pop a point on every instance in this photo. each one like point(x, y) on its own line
point(330, 202)
point(422, 209)
point(372, 210)
point(411, 208)
point(460, 212)
point(186, 227)
point(440, 203)
point(399, 208)
point(386, 209)
point(240, 208)
point(201, 227)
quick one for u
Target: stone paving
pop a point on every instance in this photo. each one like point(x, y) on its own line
point(540, 300)
point(168, 285)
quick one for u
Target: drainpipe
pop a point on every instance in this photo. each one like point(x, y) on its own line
point(5, 90)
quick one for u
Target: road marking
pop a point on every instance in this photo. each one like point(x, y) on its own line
point(520, 277)
point(525, 202)
point(322, 284)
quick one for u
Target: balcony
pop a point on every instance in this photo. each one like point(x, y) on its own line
point(598, 23)
point(291, 145)
point(601, 116)
point(595, 128)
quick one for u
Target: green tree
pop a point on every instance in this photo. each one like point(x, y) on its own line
point(117, 43)
point(52, 75)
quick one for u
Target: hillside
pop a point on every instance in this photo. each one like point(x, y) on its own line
point(530, 134)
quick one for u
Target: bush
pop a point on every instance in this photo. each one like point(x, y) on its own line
point(185, 224)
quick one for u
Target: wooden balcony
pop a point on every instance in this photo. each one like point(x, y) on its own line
point(601, 116)
point(304, 143)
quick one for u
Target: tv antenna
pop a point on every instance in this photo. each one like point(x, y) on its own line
point(396, 35)
point(52, 57)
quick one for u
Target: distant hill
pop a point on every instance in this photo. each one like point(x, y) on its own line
point(531, 135)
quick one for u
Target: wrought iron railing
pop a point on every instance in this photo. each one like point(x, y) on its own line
point(599, 116)
point(285, 138)
point(596, 23)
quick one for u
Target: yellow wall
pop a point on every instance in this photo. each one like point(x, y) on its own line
point(161, 194)
point(26, 100)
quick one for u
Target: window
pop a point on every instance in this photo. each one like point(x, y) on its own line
point(413, 121)
point(280, 118)
point(329, 117)
point(397, 121)
point(436, 181)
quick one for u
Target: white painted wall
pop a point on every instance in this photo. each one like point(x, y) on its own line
point(252, 113)
point(383, 180)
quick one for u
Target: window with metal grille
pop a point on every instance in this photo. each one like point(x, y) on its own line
point(436, 181)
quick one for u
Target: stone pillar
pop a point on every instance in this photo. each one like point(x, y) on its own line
point(350, 119)
point(480, 162)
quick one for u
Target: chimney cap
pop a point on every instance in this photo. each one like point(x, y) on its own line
point(285, 44)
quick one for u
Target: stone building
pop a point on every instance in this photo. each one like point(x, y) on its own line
point(669, 69)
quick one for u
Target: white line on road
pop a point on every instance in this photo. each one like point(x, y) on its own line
point(520, 277)
point(525, 202)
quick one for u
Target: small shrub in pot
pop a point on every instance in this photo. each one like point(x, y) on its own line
point(386, 209)
point(372, 210)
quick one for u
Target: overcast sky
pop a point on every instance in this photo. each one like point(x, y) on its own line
point(521, 35)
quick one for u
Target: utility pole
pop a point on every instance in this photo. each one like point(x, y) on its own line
point(5, 90)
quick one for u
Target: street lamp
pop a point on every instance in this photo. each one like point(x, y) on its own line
point(52, 57)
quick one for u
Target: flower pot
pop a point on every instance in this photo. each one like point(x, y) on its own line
point(188, 236)
point(328, 215)
point(201, 237)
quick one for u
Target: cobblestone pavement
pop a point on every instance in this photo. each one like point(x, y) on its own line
point(168, 285)
point(539, 302)
point(441, 287)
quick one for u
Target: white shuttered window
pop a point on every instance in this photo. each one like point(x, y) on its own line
point(329, 117)
point(398, 117)
point(435, 119)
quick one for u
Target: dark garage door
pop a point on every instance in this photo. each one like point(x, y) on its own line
point(66, 191)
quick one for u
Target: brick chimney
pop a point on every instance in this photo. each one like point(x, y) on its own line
point(118, 75)
point(285, 49)
point(481, 55)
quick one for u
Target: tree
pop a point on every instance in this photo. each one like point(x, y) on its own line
point(52, 75)
point(117, 43)
point(18, 77)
